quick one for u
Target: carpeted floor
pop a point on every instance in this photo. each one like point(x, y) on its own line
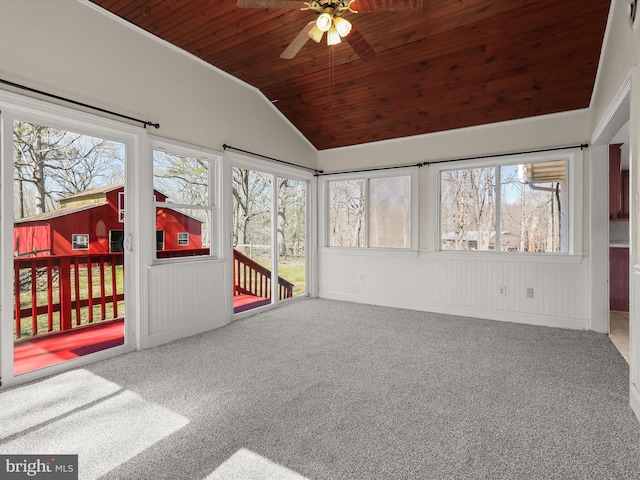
point(322, 389)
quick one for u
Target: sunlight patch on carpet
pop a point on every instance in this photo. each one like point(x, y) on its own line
point(247, 465)
point(111, 427)
point(31, 405)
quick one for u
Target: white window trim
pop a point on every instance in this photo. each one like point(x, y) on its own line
point(73, 242)
point(215, 160)
point(574, 185)
point(413, 172)
point(183, 235)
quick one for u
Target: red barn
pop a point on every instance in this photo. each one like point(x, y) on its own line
point(93, 222)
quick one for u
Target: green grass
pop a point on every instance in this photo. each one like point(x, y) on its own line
point(292, 269)
point(42, 323)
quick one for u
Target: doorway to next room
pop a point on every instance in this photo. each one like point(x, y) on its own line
point(619, 234)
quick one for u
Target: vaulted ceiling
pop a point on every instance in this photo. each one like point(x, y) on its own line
point(408, 67)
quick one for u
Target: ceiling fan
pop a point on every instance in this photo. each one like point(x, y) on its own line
point(330, 19)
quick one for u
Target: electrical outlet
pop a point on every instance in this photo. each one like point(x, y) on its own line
point(502, 290)
point(529, 292)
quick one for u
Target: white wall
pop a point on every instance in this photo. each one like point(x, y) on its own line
point(72, 49)
point(549, 131)
point(76, 50)
point(461, 285)
point(464, 284)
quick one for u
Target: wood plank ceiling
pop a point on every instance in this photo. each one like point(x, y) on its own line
point(445, 65)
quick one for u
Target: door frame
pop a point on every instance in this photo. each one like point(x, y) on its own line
point(14, 106)
point(233, 160)
point(616, 115)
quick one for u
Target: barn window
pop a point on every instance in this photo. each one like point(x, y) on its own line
point(80, 241)
point(522, 204)
point(116, 241)
point(183, 239)
point(185, 199)
point(373, 210)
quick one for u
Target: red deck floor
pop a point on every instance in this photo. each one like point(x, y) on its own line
point(33, 353)
point(243, 302)
point(52, 348)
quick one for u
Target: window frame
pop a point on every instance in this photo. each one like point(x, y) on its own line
point(111, 240)
point(74, 243)
point(325, 180)
point(214, 197)
point(574, 194)
point(182, 240)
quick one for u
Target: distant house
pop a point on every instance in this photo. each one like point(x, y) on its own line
point(509, 242)
point(469, 241)
point(93, 222)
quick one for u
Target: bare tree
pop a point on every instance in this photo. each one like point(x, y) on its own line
point(291, 216)
point(185, 181)
point(57, 163)
point(468, 217)
point(251, 207)
point(346, 213)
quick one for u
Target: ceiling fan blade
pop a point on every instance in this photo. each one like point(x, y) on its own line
point(363, 6)
point(359, 44)
point(298, 42)
point(273, 4)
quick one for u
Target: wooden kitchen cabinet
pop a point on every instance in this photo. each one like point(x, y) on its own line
point(618, 185)
point(619, 279)
point(624, 193)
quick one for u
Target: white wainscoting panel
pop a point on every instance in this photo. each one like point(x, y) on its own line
point(187, 298)
point(462, 284)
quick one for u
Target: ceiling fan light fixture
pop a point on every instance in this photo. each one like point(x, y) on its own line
point(333, 37)
point(324, 21)
point(343, 26)
point(315, 34)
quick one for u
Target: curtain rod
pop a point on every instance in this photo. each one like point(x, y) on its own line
point(426, 164)
point(144, 123)
point(229, 147)
point(525, 152)
point(321, 174)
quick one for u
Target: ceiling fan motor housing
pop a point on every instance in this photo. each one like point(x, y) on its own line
point(328, 6)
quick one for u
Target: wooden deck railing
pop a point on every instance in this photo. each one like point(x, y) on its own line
point(251, 278)
point(181, 253)
point(58, 293)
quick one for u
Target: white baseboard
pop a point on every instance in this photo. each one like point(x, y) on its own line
point(501, 316)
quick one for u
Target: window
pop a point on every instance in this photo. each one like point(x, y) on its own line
point(183, 239)
point(80, 241)
point(522, 206)
point(159, 240)
point(116, 240)
point(183, 181)
point(374, 211)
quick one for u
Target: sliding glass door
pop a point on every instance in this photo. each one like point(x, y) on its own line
point(292, 236)
point(65, 240)
point(269, 237)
